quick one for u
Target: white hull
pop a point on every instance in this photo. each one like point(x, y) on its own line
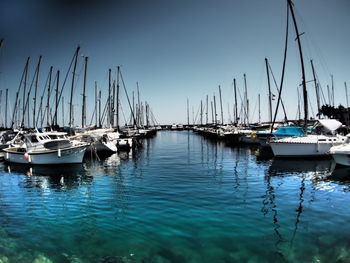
point(62, 156)
point(342, 159)
point(305, 146)
point(341, 154)
point(104, 147)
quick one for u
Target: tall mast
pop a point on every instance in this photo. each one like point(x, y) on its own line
point(62, 111)
point(113, 103)
point(117, 102)
point(268, 83)
point(332, 91)
point(24, 90)
point(188, 113)
point(346, 94)
point(246, 99)
point(139, 107)
point(35, 90)
point(259, 108)
point(109, 115)
point(6, 105)
point(99, 110)
point(2, 124)
point(206, 120)
point(215, 115)
point(83, 112)
point(96, 99)
point(329, 96)
point(201, 113)
point(72, 88)
point(56, 97)
point(48, 98)
point(236, 112)
point(222, 112)
point(316, 89)
point(212, 112)
point(301, 62)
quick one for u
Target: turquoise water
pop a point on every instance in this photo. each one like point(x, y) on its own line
point(180, 198)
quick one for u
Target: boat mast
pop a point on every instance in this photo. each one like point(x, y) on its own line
point(117, 121)
point(206, 114)
point(215, 115)
point(301, 62)
point(72, 88)
point(188, 113)
point(212, 112)
point(6, 104)
point(83, 113)
point(96, 99)
point(99, 109)
point(56, 97)
point(62, 111)
point(24, 91)
point(332, 91)
point(268, 83)
point(236, 112)
point(246, 99)
point(259, 108)
point(346, 93)
point(48, 98)
point(35, 91)
point(201, 113)
point(316, 88)
point(222, 112)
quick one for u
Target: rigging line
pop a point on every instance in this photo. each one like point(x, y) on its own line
point(30, 89)
point(51, 90)
point(274, 79)
point(127, 96)
point(121, 108)
point(320, 88)
point(283, 70)
point(195, 119)
point(14, 112)
point(243, 109)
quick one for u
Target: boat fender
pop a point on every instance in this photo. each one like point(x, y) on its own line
point(59, 153)
point(27, 157)
point(7, 155)
point(253, 136)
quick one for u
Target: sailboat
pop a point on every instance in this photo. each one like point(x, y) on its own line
point(317, 144)
point(311, 144)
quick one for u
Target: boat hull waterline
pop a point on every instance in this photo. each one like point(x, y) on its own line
point(62, 156)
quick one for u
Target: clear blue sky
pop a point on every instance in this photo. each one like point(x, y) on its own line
point(177, 49)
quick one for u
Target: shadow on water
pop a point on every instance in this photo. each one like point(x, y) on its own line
point(56, 176)
point(296, 166)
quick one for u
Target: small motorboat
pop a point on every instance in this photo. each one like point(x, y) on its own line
point(46, 148)
point(341, 153)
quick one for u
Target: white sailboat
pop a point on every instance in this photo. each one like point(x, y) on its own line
point(310, 145)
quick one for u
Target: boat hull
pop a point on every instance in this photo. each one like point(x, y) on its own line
point(342, 159)
point(62, 156)
point(281, 149)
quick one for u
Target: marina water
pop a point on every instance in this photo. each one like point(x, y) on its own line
point(179, 198)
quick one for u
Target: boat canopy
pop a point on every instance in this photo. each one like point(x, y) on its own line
point(290, 131)
point(330, 124)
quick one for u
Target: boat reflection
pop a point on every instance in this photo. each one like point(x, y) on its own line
point(341, 175)
point(292, 166)
point(56, 176)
